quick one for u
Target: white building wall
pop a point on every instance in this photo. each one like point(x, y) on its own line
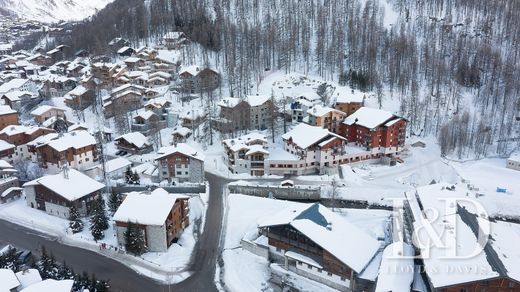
point(156, 238)
point(57, 210)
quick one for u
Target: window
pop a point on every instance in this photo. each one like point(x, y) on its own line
point(329, 274)
point(309, 266)
point(343, 279)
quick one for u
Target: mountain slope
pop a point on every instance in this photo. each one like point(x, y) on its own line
point(53, 10)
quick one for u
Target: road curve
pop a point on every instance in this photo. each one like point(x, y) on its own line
point(121, 277)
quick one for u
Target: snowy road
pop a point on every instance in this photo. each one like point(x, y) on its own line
point(121, 277)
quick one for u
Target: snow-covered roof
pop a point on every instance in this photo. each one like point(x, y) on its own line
point(8, 280)
point(514, 157)
point(6, 110)
point(145, 168)
point(10, 190)
point(168, 56)
point(433, 197)
point(345, 241)
point(45, 108)
point(16, 95)
point(353, 96)
point(304, 135)
point(194, 70)
point(123, 49)
point(182, 148)
point(256, 149)
point(4, 164)
point(79, 90)
point(28, 277)
point(396, 272)
point(12, 84)
point(182, 131)
point(145, 115)
point(73, 186)
point(369, 117)
point(136, 138)
point(76, 139)
point(320, 110)
point(147, 209)
point(257, 100)
point(229, 102)
point(243, 142)
point(51, 285)
point(132, 60)
point(117, 164)
point(5, 145)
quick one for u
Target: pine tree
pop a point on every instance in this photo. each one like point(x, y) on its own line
point(98, 219)
point(9, 260)
point(128, 175)
point(134, 240)
point(75, 224)
point(47, 266)
point(66, 273)
point(114, 202)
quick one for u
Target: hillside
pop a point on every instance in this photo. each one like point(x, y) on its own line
point(452, 69)
point(53, 10)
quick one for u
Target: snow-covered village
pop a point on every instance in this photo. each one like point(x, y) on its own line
point(243, 145)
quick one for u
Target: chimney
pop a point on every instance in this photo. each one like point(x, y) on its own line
point(66, 171)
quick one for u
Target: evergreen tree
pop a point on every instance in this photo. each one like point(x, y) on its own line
point(98, 219)
point(9, 260)
point(47, 266)
point(128, 175)
point(134, 240)
point(75, 224)
point(66, 273)
point(82, 282)
point(114, 202)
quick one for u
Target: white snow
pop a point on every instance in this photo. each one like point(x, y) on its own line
point(368, 117)
point(8, 280)
point(396, 273)
point(135, 138)
point(147, 209)
point(50, 285)
point(28, 277)
point(76, 139)
point(182, 148)
point(304, 135)
point(75, 187)
point(45, 108)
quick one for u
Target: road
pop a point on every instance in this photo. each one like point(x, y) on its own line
point(121, 277)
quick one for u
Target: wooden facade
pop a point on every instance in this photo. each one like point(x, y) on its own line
point(48, 155)
point(8, 120)
point(22, 138)
point(287, 238)
point(381, 136)
point(44, 195)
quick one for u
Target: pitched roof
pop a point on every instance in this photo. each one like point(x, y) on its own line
point(51, 285)
point(45, 108)
point(8, 280)
point(369, 117)
point(147, 209)
point(6, 110)
point(135, 138)
point(345, 241)
point(304, 135)
point(76, 139)
point(182, 148)
point(71, 187)
point(12, 84)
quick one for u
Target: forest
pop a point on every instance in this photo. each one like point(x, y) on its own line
point(453, 65)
